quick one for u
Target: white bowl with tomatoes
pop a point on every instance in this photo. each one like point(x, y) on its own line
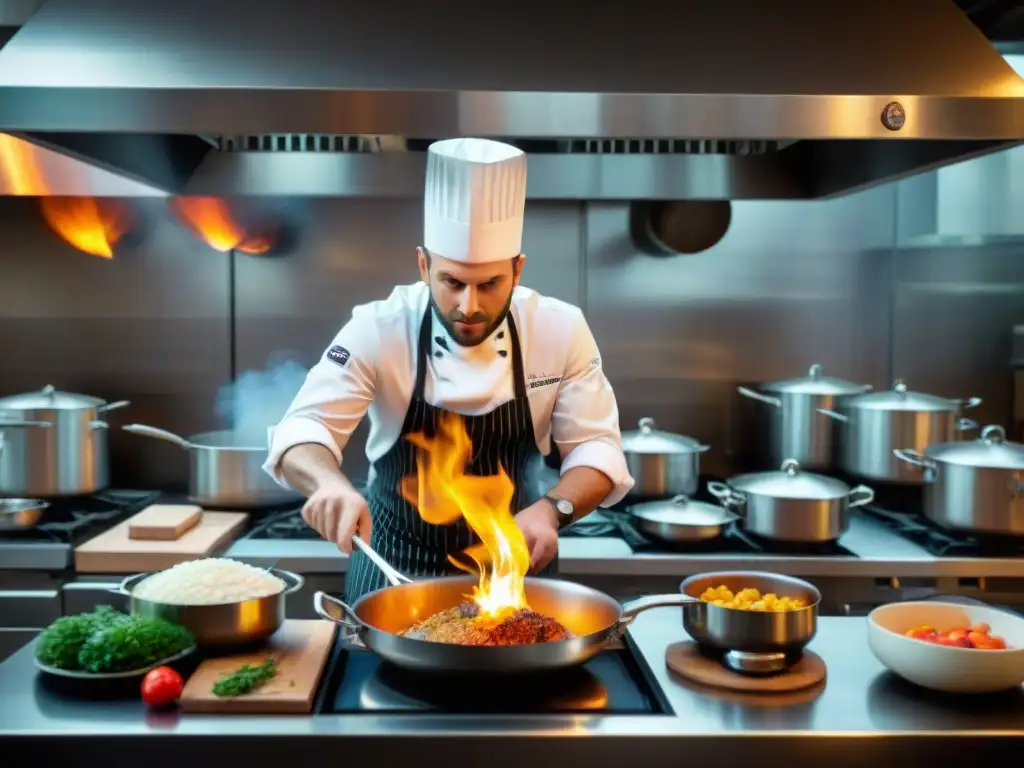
point(948, 646)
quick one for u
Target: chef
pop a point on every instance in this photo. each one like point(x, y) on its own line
point(521, 369)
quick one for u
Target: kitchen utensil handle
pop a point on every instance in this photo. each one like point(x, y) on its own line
point(860, 496)
point(390, 573)
point(832, 414)
point(108, 407)
point(773, 401)
point(349, 635)
point(22, 423)
point(966, 425)
point(731, 499)
point(298, 582)
point(970, 402)
point(159, 434)
point(634, 608)
point(913, 457)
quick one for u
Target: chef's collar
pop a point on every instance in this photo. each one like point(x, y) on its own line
point(443, 345)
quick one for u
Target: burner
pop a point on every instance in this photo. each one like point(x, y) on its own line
point(75, 520)
point(611, 682)
point(941, 541)
point(282, 524)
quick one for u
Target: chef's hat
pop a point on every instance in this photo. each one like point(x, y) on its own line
point(474, 200)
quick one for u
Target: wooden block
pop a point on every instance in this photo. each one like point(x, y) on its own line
point(300, 648)
point(686, 660)
point(164, 522)
point(114, 551)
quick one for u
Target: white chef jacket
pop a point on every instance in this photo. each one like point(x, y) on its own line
point(370, 366)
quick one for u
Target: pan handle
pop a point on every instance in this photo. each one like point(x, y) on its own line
point(298, 582)
point(634, 608)
point(160, 434)
point(730, 499)
point(348, 623)
point(833, 414)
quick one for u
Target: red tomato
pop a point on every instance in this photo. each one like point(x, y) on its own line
point(161, 686)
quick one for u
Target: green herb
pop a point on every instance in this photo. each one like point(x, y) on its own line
point(60, 643)
point(244, 679)
point(133, 644)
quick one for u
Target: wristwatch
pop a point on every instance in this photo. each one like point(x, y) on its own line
point(563, 508)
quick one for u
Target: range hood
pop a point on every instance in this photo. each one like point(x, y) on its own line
point(732, 99)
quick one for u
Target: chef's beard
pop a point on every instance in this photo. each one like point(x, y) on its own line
point(448, 321)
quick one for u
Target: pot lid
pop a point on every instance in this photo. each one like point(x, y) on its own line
point(991, 450)
point(682, 511)
point(791, 483)
point(815, 384)
point(49, 398)
point(899, 398)
point(647, 439)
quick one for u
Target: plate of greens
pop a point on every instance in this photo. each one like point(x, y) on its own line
point(109, 645)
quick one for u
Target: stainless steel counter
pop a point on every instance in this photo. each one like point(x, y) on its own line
point(861, 713)
point(880, 553)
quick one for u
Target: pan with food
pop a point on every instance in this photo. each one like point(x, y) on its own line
point(430, 625)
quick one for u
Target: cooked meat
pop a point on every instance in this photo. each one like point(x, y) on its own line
point(462, 626)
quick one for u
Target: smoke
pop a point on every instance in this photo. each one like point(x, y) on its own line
point(257, 400)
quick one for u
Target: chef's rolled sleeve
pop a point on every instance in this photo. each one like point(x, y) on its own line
point(335, 396)
point(585, 418)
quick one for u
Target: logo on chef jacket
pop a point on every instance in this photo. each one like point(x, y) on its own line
point(338, 354)
point(595, 363)
point(542, 379)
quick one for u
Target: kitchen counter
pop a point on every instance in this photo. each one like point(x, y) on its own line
point(880, 552)
point(862, 714)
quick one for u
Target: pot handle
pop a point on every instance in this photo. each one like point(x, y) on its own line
point(860, 496)
point(108, 407)
point(970, 402)
point(298, 582)
point(348, 634)
point(730, 499)
point(773, 401)
point(159, 434)
point(833, 414)
point(634, 608)
point(913, 457)
point(966, 425)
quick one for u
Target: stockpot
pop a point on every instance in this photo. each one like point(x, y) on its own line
point(225, 469)
point(661, 463)
point(974, 485)
point(791, 505)
point(875, 424)
point(54, 444)
point(795, 428)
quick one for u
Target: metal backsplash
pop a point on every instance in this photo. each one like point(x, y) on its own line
point(790, 284)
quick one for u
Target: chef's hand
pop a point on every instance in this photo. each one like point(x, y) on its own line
point(539, 524)
point(338, 512)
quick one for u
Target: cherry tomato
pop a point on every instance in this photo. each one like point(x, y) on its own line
point(975, 637)
point(161, 686)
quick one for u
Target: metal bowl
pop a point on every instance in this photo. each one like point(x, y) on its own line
point(21, 514)
point(225, 624)
point(730, 629)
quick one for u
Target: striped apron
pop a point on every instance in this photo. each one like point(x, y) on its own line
point(504, 437)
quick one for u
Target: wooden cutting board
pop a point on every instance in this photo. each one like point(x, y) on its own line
point(300, 648)
point(114, 551)
point(164, 522)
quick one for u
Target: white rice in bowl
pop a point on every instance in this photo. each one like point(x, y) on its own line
point(212, 581)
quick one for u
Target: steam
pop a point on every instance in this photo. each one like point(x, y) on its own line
point(257, 400)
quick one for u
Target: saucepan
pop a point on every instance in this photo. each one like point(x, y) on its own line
point(681, 520)
point(595, 619)
point(226, 469)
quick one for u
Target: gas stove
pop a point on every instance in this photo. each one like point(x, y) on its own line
point(913, 526)
point(613, 523)
point(66, 524)
point(611, 683)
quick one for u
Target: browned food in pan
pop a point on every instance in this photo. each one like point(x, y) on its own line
point(462, 625)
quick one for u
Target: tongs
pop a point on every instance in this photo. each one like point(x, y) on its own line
point(394, 577)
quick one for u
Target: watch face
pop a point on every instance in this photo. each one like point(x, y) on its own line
point(564, 507)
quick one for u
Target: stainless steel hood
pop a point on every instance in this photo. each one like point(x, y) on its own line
point(738, 98)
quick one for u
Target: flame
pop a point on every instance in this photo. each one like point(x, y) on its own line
point(88, 224)
point(443, 492)
point(212, 221)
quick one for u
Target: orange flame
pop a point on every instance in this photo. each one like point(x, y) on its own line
point(211, 220)
point(443, 492)
point(88, 224)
